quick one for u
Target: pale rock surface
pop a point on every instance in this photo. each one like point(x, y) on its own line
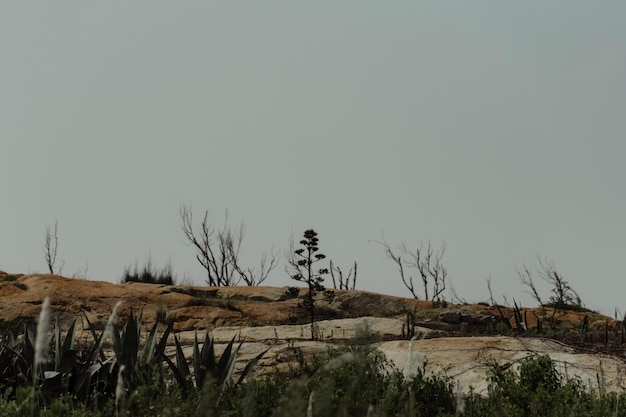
point(259, 317)
point(468, 359)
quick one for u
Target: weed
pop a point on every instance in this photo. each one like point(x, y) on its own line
point(149, 274)
point(439, 303)
point(161, 314)
point(293, 292)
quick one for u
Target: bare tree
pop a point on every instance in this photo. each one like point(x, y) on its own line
point(51, 244)
point(493, 302)
point(526, 276)
point(428, 264)
point(397, 259)
point(455, 296)
point(563, 295)
point(82, 273)
point(254, 277)
point(218, 252)
point(344, 283)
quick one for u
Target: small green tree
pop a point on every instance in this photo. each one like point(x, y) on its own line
point(301, 269)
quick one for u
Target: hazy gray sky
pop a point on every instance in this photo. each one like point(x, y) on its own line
point(497, 127)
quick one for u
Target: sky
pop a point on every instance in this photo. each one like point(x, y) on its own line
point(495, 128)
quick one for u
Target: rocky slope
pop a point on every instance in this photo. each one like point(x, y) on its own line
point(463, 341)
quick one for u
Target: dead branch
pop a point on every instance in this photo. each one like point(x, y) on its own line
point(455, 295)
point(218, 252)
point(527, 279)
point(397, 259)
point(430, 267)
point(562, 293)
point(51, 244)
point(255, 277)
point(344, 284)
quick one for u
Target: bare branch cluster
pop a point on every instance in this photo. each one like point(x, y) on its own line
point(526, 276)
point(563, 295)
point(51, 244)
point(494, 303)
point(218, 252)
point(428, 264)
point(347, 283)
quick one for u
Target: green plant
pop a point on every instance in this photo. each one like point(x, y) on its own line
point(537, 389)
point(408, 328)
point(207, 369)
point(149, 274)
point(229, 304)
point(292, 292)
point(161, 314)
point(301, 265)
point(440, 303)
point(329, 296)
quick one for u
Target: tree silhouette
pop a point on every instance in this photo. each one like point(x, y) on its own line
point(301, 269)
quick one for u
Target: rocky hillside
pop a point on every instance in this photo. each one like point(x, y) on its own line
point(463, 341)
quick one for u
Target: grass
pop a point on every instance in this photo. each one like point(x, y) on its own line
point(13, 280)
point(353, 380)
point(349, 381)
point(149, 274)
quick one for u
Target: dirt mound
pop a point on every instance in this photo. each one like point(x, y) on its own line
point(206, 308)
point(464, 339)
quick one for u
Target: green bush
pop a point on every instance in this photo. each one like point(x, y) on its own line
point(20, 285)
point(567, 307)
point(360, 381)
point(348, 381)
point(149, 274)
point(539, 390)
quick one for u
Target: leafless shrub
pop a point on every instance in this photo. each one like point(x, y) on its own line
point(526, 276)
point(493, 302)
point(82, 273)
point(428, 264)
point(51, 244)
point(455, 296)
point(218, 252)
point(563, 295)
point(347, 283)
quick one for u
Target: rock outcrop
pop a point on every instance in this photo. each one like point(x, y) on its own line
point(461, 341)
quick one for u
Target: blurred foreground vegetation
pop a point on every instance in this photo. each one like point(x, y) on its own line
point(45, 373)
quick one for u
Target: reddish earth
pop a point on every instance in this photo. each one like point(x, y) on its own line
point(200, 308)
point(464, 340)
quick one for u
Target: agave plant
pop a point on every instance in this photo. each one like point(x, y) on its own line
point(57, 373)
point(93, 372)
point(207, 369)
point(103, 372)
point(16, 357)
